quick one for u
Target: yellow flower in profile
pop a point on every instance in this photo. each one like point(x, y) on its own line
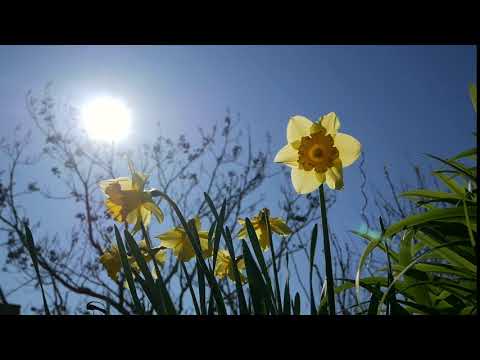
point(177, 240)
point(317, 152)
point(110, 258)
point(277, 225)
point(127, 201)
point(224, 266)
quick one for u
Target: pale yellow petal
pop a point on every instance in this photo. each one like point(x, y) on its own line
point(242, 234)
point(172, 238)
point(288, 156)
point(198, 224)
point(125, 183)
point(157, 212)
point(207, 251)
point(132, 216)
point(161, 256)
point(298, 126)
point(185, 252)
point(305, 182)
point(331, 123)
point(348, 147)
point(278, 226)
point(138, 181)
point(334, 176)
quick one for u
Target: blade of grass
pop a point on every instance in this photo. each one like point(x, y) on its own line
point(196, 247)
point(260, 258)
point(33, 254)
point(219, 225)
point(236, 274)
point(286, 299)
point(260, 298)
point(148, 283)
point(138, 307)
point(296, 304)
point(313, 246)
point(192, 292)
point(266, 221)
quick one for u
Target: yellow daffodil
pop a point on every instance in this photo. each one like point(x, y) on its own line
point(127, 201)
point(177, 240)
point(110, 259)
point(317, 152)
point(277, 225)
point(224, 266)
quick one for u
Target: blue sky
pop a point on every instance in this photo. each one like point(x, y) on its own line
point(399, 101)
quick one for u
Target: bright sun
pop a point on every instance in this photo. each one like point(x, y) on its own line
point(106, 119)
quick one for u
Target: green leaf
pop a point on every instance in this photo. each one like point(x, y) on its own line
point(313, 245)
point(242, 303)
point(430, 215)
point(266, 221)
point(429, 239)
point(393, 254)
point(436, 195)
point(473, 95)
point(33, 254)
point(458, 166)
point(201, 290)
point(258, 290)
point(286, 299)
point(296, 304)
point(450, 183)
point(370, 247)
point(160, 300)
point(138, 307)
point(193, 237)
point(192, 292)
point(410, 265)
point(252, 235)
point(471, 153)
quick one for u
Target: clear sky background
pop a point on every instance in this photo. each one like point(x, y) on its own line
point(399, 101)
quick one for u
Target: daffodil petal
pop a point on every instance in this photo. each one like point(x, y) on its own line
point(297, 127)
point(348, 147)
point(305, 182)
point(171, 238)
point(334, 176)
point(278, 226)
point(151, 206)
point(207, 251)
point(125, 184)
point(242, 234)
point(330, 122)
point(287, 155)
point(132, 216)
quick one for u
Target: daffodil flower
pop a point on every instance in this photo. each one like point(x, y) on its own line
point(177, 240)
point(317, 152)
point(224, 266)
point(110, 258)
point(277, 225)
point(127, 201)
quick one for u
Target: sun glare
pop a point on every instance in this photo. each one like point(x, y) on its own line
point(106, 119)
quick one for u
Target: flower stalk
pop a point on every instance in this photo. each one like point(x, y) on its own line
point(328, 256)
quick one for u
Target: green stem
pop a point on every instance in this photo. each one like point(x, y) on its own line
point(328, 256)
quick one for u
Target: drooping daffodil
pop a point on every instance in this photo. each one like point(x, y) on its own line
point(277, 225)
point(177, 240)
point(317, 152)
point(224, 266)
point(128, 201)
point(110, 258)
